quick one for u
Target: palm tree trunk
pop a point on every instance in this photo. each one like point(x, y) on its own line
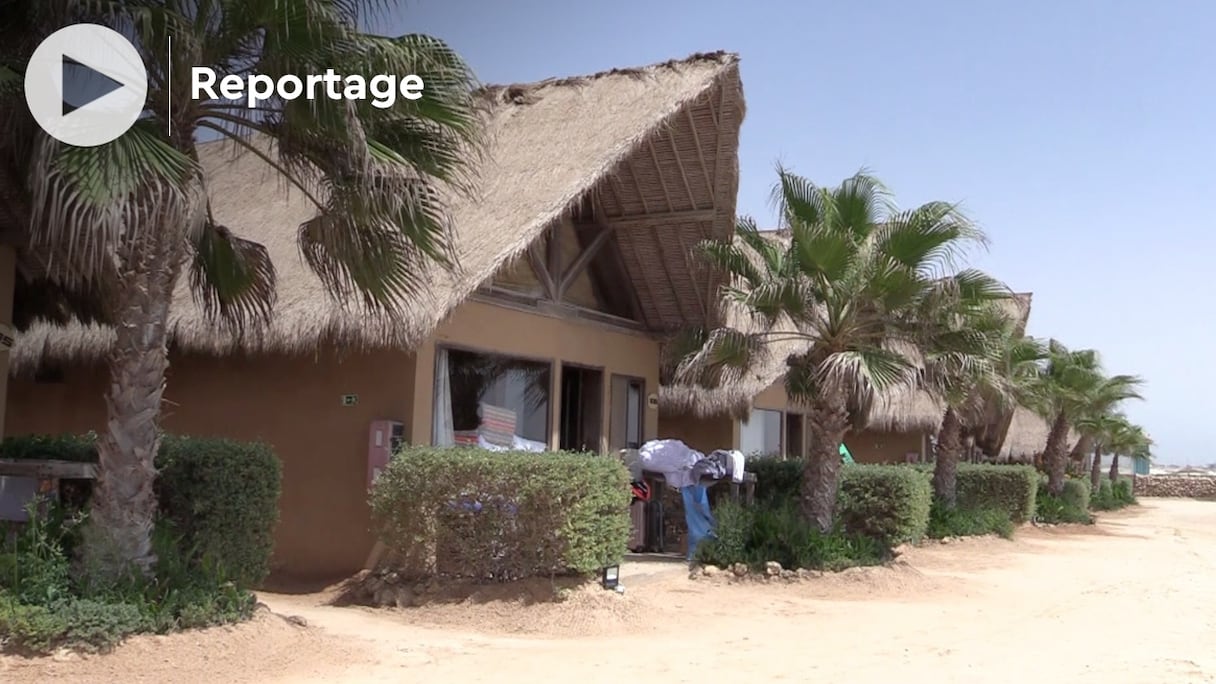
point(828, 421)
point(949, 447)
point(1080, 449)
point(1114, 468)
point(1095, 468)
point(1055, 455)
point(118, 540)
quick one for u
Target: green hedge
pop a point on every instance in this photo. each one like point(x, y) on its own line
point(1008, 488)
point(1071, 506)
point(494, 516)
point(221, 496)
point(755, 535)
point(889, 503)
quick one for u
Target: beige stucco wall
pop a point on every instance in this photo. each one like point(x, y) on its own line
point(702, 434)
point(294, 404)
point(869, 446)
point(8, 272)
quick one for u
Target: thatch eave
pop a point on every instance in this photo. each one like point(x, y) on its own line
point(652, 149)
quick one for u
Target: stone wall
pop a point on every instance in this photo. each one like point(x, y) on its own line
point(1176, 485)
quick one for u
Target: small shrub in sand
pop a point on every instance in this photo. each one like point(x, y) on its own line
point(1071, 506)
point(757, 535)
point(218, 508)
point(961, 521)
point(44, 604)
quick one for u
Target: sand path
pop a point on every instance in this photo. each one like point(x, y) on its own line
point(1132, 599)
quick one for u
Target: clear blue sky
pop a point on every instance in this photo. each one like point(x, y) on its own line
point(1080, 134)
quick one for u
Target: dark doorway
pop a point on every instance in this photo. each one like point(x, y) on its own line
point(582, 408)
point(793, 436)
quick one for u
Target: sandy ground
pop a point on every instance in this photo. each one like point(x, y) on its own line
point(1130, 600)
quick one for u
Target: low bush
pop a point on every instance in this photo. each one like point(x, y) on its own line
point(1011, 489)
point(220, 496)
point(223, 498)
point(1122, 490)
point(887, 503)
point(212, 541)
point(1071, 506)
point(1104, 498)
point(44, 606)
point(1112, 496)
point(754, 536)
point(959, 521)
point(492, 516)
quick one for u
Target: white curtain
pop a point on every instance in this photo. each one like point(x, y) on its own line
point(443, 427)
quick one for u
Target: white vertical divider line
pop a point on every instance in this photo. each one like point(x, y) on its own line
point(169, 84)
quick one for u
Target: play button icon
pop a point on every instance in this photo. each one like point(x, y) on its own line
point(86, 85)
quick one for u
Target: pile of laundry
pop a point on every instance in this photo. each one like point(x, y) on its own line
point(687, 470)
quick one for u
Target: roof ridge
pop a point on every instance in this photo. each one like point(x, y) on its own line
point(521, 92)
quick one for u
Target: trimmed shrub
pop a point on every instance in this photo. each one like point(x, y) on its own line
point(1071, 506)
point(1011, 489)
point(757, 535)
point(887, 503)
point(494, 516)
point(222, 497)
point(968, 522)
point(777, 481)
point(1104, 498)
point(1122, 492)
point(219, 495)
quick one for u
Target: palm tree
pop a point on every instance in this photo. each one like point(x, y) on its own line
point(848, 286)
point(1070, 386)
point(1127, 440)
point(1100, 430)
point(977, 356)
point(120, 222)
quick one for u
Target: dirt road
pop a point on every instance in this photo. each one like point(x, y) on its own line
point(1130, 600)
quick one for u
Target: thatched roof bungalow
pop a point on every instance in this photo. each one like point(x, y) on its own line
point(574, 264)
point(754, 410)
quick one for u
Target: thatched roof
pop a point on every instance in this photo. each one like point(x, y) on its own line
point(652, 149)
point(735, 399)
point(899, 409)
point(905, 409)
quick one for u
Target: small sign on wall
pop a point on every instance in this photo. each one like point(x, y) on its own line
point(652, 401)
point(350, 399)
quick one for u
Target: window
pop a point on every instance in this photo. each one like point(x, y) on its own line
point(470, 384)
point(760, 433)
point(626, 413)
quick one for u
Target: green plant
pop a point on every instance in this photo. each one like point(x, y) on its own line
point(42, 606)
point(1070, 506)
point(958, 521)
point(754, 536)
point(1122, 491)
point(1009, 488)
point(1104, 498)
point(494, 516)
point(222, 497)
point(887, 503)
point(66, 447)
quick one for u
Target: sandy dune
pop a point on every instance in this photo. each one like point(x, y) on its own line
point(1130, 600)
